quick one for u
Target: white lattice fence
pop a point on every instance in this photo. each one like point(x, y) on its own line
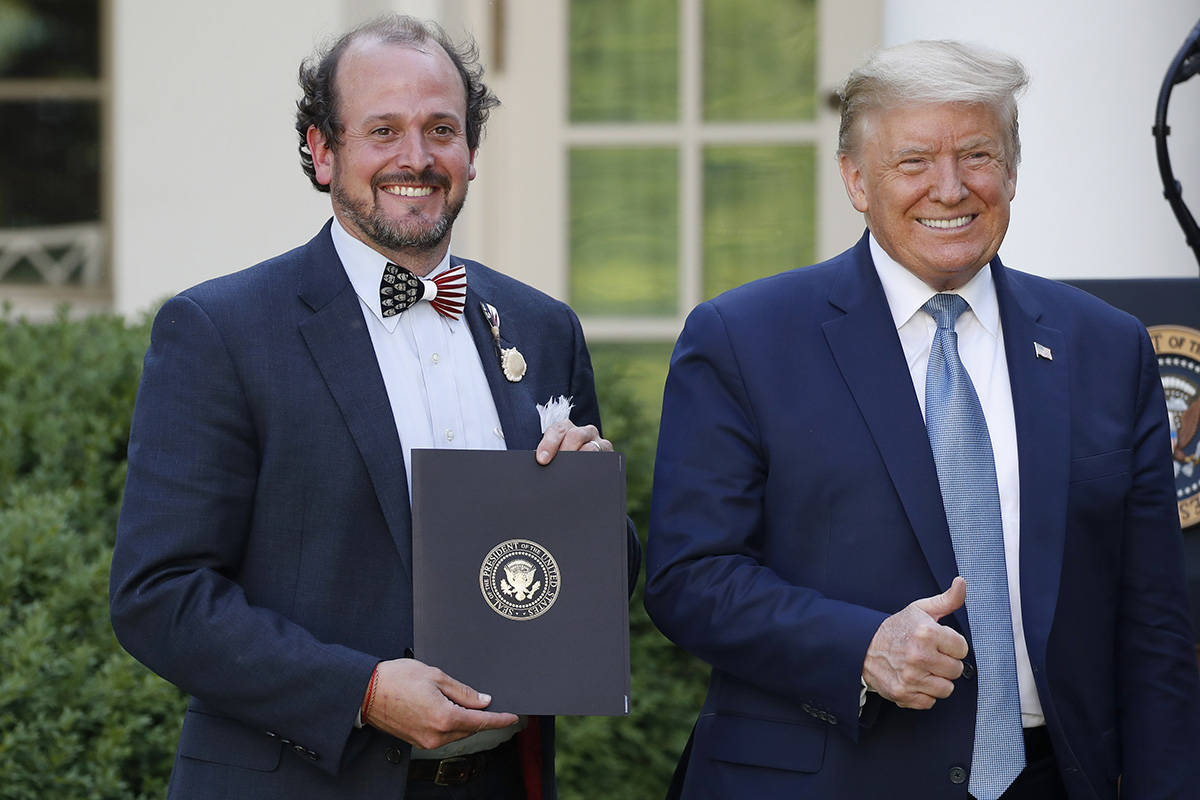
point(61, 254)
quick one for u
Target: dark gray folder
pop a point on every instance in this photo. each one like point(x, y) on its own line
point(520, 584)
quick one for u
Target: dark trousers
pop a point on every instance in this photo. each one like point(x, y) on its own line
point(1040, 779)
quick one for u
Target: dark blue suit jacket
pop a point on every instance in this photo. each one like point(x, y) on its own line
point(262, 561)
point(796, 505)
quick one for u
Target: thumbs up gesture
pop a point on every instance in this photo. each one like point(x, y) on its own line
point(913, 660)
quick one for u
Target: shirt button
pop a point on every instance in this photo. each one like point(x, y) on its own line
point(499, 433)
point(435, 358)
point(449, 435)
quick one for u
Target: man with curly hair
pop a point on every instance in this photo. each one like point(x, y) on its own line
point(262, 561)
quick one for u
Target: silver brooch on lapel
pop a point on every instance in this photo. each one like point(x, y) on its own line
point(512, 363)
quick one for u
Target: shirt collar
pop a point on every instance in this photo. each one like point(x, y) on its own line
point(906, 293)
point(364, 267)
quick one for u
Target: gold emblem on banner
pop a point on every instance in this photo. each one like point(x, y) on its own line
point(1178, 351)
point(519, 579)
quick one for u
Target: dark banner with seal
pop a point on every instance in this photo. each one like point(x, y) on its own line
point(1170, 310)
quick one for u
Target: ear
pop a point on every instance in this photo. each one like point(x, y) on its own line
point(1012, 184)
point(852, 177)
point(471, 163)
point(322, 155)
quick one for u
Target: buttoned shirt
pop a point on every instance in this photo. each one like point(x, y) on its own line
point(431, 368)
point(981, 348)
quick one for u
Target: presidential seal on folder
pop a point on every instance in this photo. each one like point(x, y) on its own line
point(520, 580)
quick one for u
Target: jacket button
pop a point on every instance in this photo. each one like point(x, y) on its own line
point(968, 670)
point(393, 755)
point(958, 775)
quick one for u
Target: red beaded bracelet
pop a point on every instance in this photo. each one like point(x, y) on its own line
point(370, 696)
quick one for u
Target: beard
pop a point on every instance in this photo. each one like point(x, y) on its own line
point(387, 233)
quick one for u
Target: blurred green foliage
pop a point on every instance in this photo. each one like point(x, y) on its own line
point(623, 60)
point(624, 230)
point(78, 717)
point(81, 719)
point(760, 60)
point(760, 214)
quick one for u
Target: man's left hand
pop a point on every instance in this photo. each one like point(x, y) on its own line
point(566, 436)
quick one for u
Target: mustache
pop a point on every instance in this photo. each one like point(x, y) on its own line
point(428, 176)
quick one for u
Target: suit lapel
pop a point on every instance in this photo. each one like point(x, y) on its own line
point(339, 343)
point(877, 375)
point(1040, 406)
point(515, 405)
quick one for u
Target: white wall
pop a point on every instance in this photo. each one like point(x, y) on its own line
point(1089, 199)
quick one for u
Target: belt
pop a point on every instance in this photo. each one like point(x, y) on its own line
point(455, 770)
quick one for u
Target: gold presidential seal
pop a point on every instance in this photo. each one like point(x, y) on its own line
point(1178, 351)
point(519, 579)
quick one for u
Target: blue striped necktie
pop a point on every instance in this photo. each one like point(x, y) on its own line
point(966, 473)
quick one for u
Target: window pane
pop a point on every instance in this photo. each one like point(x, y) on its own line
point(50, 192)
point(759, 213)
point(624, 60)
point(760, 59)
point(49, 38)
point(49, 163)
point(624, 230)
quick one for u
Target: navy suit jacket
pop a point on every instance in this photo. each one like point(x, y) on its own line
point(796, 505)
point(262, 561)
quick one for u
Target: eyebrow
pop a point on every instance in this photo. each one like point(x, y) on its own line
point(980, 142)
point(912, 150)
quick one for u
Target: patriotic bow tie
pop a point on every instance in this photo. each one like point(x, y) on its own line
point(399, 289)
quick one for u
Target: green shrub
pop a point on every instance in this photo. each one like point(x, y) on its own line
point(79, 718)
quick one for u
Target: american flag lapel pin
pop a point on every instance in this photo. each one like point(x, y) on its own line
point(1041, 351)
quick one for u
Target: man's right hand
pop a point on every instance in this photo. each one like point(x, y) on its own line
point(913, 660)
point(426, 707)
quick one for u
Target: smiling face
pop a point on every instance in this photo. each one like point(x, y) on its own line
point(934, 183)
point(399, 176)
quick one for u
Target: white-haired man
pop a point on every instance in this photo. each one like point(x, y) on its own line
point(929, 543)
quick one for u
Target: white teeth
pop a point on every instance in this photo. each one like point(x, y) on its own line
point(409, 191)
point(957, 222)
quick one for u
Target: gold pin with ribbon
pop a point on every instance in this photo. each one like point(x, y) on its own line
point(512, 363)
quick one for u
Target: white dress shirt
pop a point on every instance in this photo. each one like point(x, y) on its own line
point(435, 381)
point(437, 388)
point(981, 348)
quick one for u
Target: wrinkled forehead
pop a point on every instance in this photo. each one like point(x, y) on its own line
point(894, 117)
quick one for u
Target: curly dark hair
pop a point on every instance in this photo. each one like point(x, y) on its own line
point(318, 106)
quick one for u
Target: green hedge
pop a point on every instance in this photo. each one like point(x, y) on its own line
point(78, 717)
